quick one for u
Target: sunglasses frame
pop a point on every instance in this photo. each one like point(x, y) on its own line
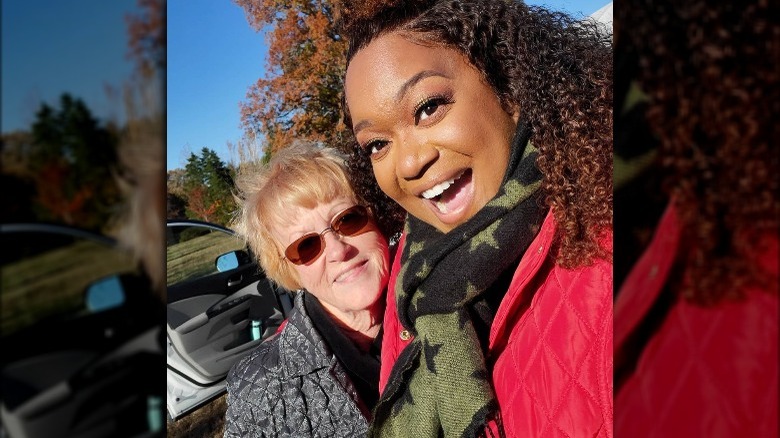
point(333, 227)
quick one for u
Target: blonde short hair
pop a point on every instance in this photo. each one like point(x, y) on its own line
point(302, 175)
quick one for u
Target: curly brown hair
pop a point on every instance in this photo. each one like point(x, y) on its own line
point(389, 215)
point(557, 70)
point(709, 70)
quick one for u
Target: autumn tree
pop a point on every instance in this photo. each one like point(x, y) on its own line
point(207, 188)
point(147, 37)
point(72, 157)
point(299, 97)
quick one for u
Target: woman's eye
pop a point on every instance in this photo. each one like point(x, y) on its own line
point(426, 111)
point(375, 147)
point(429, 108)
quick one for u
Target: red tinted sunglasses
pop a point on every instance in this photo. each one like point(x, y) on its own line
point(308, 247)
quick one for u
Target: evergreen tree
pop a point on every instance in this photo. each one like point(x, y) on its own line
point(207, 186)
point(72, 159)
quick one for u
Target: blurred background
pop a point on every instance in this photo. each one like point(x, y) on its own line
point(82, 125)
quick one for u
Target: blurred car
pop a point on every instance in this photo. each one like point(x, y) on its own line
point(220, 306)
point(81, 334)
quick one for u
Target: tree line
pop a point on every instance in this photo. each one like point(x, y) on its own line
point(202, 190)
point(63, 169)
point(297, 98)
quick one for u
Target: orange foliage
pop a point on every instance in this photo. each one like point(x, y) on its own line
point(199, 205)
point(66, 207)
point(147, 36)
point(299, 97)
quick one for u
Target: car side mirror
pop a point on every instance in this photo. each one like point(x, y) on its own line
point(232, 260)
point(105, 293)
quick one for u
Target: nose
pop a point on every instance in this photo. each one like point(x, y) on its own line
point(336, 249)
point(417, 155)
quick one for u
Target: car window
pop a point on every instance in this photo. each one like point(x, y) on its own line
point(192, 251)
point(47, 275)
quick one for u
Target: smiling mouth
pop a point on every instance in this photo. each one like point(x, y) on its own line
point(441, 194)
point(350, 272)
point(438, 189)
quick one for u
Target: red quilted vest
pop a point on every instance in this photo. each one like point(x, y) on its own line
point(550, 345)
point(706, 371)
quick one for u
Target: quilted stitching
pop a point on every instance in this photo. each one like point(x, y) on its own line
point(720, 366)
point(551, 379)
point(292, 386)
point(706, 371)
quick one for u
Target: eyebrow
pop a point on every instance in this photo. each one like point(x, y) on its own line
point(411, 82)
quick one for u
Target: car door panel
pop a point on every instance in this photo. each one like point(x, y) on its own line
point(205, 341)
point(218, 283)
point(216, 312)
point(73, 366)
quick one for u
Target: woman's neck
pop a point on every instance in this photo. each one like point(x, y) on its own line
point(362, 326)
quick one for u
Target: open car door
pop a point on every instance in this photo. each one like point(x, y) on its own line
point(81, 334)
point(220, 306)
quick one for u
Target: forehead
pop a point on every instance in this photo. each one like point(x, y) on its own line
point(391, 59)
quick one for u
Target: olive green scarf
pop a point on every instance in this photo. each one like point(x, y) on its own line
point(440, 384)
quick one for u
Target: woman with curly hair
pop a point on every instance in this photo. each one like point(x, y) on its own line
point(490, 123)
point(696, 214)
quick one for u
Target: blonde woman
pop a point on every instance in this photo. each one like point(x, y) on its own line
point(319, 375)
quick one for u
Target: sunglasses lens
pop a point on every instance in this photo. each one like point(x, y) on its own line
point(351, 221)
point(304, 250)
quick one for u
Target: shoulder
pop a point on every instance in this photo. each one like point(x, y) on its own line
point(538, 268)
point(594, 277)
point(262, 363)
point(587, 290)
point(549, 289)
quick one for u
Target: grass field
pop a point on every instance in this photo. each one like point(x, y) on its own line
point(195, 257)
point(55, 282)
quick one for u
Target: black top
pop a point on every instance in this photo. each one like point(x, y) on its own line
point(362, 367)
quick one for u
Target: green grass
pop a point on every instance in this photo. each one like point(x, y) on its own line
point(54, 282)
point(196, 257)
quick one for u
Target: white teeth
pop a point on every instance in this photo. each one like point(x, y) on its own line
point(438, 189)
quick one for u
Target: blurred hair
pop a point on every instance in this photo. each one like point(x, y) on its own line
point(143, 219)
point(556, 70)
point(710, 72)
point(301, 175)
point(141, 178)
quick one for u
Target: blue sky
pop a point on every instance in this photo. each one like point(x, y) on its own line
point(50, 47)
point(578, 8)
point(214, 56)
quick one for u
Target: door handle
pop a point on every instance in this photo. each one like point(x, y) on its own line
point(234, 282)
